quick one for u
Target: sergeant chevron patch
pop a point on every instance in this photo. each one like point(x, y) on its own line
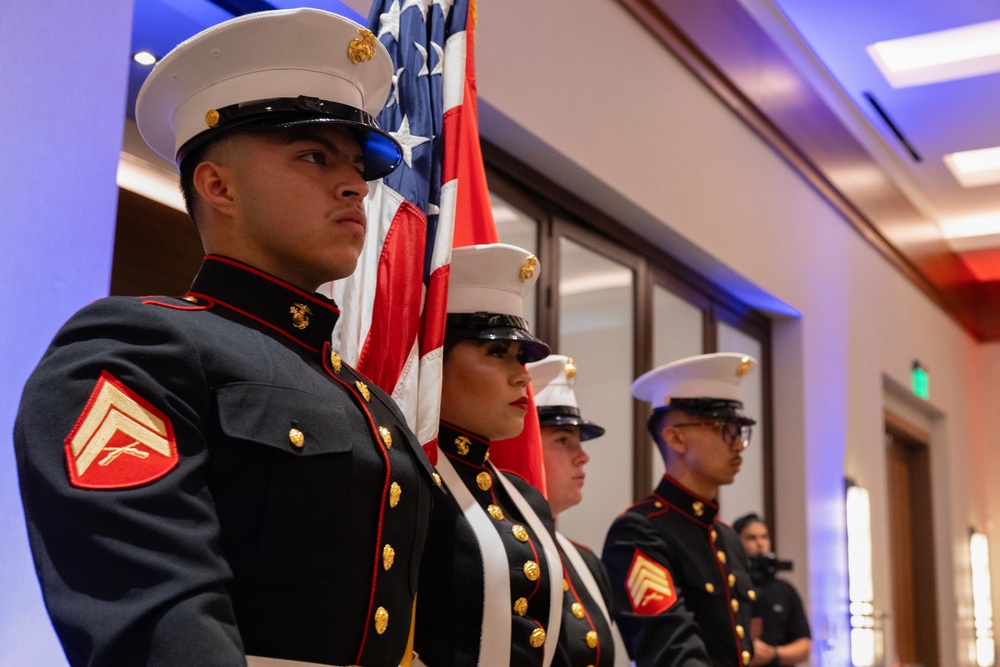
point(119, 440)
point(650, 587)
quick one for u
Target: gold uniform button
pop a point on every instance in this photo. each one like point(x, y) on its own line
point(746, 657)
point(732, 579)
point(363, 390)
point(657, 504)
point(537, 638)
point(740, 631)
point(591, 639)
point(531, 570)
point(735, 604)
point(388, 556)
point(521, 606)
point(484, 481)
point(709, 587)
point(721, 555)
point(191, 299)
point(386, 436)
point(395, 491)
point(520, 532)
point(752, 594)
point(577, 609)
point(495, 512)
point(565, 585)
point(296, 438)
point(714, 535)
point(381, 620)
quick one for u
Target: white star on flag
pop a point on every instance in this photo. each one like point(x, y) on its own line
point(407, 141)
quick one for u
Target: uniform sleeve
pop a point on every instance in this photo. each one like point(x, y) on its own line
point(111, 457)
point(649, 610)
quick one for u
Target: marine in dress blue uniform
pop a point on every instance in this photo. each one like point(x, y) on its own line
point(588, 637)
point(490, 581)
point(682, 592)
point(205, 481)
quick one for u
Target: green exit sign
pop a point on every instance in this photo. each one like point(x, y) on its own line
point(919, 382)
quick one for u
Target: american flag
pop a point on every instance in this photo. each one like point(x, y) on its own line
point(394, 305)
point(392, 327)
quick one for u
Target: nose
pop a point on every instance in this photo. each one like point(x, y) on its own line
point(350, 184)
point(521, 376)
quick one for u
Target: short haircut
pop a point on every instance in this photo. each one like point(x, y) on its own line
point(746, 520)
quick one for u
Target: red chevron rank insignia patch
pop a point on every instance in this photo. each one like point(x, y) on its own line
point(650, 587)
point(120, 440)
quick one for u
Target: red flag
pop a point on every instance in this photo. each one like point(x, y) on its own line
point(474, 224)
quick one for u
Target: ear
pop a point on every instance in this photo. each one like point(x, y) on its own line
point(673, 439)
point(214, 184)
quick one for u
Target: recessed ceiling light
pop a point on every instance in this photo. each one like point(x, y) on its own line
point(957, 53)
point(144, 58)
point(976, 167)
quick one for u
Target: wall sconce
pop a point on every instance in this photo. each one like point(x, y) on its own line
point(982, 599)
point(859, 575)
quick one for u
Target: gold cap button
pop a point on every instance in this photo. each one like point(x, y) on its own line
point(296, 438)
point(386, 436)
point(495, 512)
point(381, 620)
point(531, 570)
point(212, 117)
point(537, 638)
point(592, 639)
point(484, 481)
point(740, 631)
point(752, 594)
point(565, 585)
point(577, 609)
point(520, 532)
point(388, 556)
point(746, 657)
point(395, 491)
point(721, 555)
point(735, 604)
point(709, 587)
point(521, 606)
point(732, 579)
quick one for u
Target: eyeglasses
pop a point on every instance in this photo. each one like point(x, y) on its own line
point(729, 431)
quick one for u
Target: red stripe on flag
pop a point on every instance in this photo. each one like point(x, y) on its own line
point(435, 310)
point(396, 308)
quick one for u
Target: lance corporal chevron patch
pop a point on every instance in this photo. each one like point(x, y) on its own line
point(120, 440)
point(650, 588)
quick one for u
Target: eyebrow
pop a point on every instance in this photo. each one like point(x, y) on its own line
point(358, 158)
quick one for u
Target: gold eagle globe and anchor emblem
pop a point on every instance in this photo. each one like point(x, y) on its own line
point(362, 48)
point(300, 315)
point(529, 268)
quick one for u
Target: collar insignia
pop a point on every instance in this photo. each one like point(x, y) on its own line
point(300, 315)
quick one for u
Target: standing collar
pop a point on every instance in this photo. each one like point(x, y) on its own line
point(306, 318)
point(465, 446)
point(686, 501)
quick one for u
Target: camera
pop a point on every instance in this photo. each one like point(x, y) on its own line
point(764, 566)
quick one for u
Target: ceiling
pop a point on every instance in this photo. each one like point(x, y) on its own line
point(799, 73)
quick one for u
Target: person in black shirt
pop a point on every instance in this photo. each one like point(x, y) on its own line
point(785, 638)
